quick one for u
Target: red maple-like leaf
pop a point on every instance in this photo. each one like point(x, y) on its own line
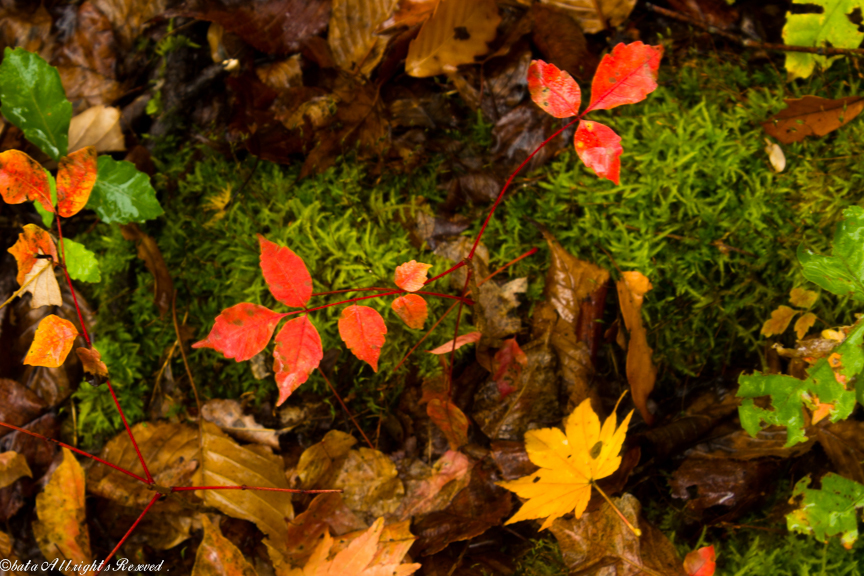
point(701, 562)
point(31, 243)
point(507, 366)
point(625, 76)
point(76, 175)
point(554, 90)
point(412, 309)
point(285, 273)
point(362, 329)
point(411, 276)
point(241, 331)
point(298, 352)
point(22, 178)
point(599, 147)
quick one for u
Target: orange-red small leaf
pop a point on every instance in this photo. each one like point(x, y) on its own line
point(91, 360)
point(554, 90)
point(507, 366)
point(411, 276)
point(460, 341)
point(32, 242)
point(76, 175)
point(412, 309)
point(22, 178)
point(52, 342)
point(285, 273)
point(241, 331)
point(298, 352)
point(450, 420)
point(362, 329)
point(599, 147)
point(625, 76)
point(700, 562)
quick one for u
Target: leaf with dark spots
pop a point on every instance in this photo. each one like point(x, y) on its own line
point(812, 116)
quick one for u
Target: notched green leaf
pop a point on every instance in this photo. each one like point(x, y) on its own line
point(842, 273)
point(829, 511)
point(122, 193)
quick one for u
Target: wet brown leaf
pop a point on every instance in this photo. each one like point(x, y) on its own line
point(39, 455)
point(641, 372)
point(561, 42)
point(570, 280)
point(812, 116)
point(738, 484)
point(432, 488)
point(91, 361)
point(319, 463)
point(12, 467)
point(409, 13)
point(20, 405)
point(370, 483)
point(520, 132)
point(595, 15)
point(228, 415)
point(599, 539)
point(716, 13)
point(27, 25)
point(130, 17)
point(97, 126)
point(326, 512)
point(354, 42)
point(494, 306)
point(844, 444)
point(738, 444)
point(512, 459)
point(450, 420)
point(148, 251)
point(218, 556)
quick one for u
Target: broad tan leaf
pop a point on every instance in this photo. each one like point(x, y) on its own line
point(44, 288)
point(320, 460)
point(352, 36)
point(98, 126)
point(12, 467)
point(218, 556)
point(61, 530)
point(228, 415)
point(370, 483)
point(595, 15)
point(456, 32)
point(641, 372)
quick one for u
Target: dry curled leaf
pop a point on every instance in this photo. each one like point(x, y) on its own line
point(641, 372)
point(352, 35)
point(91, 361)
point(812, 116)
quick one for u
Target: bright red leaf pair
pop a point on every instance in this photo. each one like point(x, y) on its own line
point(22, 178)
point(625, 76)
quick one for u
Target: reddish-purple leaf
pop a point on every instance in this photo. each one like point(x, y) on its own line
point(507, 366)
point(599, 147)
point(362, 329)
point(285, 273)
point(411, 276)
point(450, 420)
point(462, 340)
point(22, 178)
point(298, 352)
point(625, 76)
point(412, 309)
point(554, 90)
point(241, 331)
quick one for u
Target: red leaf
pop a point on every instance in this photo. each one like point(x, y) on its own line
point(450, 420)
point(22, 178)
point(285, 273)
point(700, 562)
point(241, 331)
point(554, 90)
point(31, 242)
point(469, 338)
point(52, 342)
point(599, 147)
point(411, 276)
point(625, 76)
point(363, 330)
point(298, 352)
point(76, 175)
point(411, 308)
point(507, 367)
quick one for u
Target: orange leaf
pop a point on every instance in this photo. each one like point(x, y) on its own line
point(76, 175)
point(362, 329)
point(22, 178)
point(599, 148)
point(218, 556)
point(554, 90)
point(779, 321)
point(298, 352)
point(460, 341)
point(411, 276)
point(625, 76)
point(91, 360)
point(241, 331)
point(700, 562)
point(32, 242)
point(641, 372)
point(450, 420)
point(52, 342)
point(285, 273)
point(412, 309)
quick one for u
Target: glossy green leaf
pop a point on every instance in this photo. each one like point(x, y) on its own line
point(789, 395)
point(123, 193)
point(48, 217)
point(843, 272)
point(829, 511)
point(81, 263)
point(831, 27)
point(32, 98)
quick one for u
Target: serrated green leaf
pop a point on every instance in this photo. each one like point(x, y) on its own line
point(832, 27)
point(789, 395)
point(842, 273)
point(829, 511)
point(81, 263)
point(122, 193)
point(33, 99)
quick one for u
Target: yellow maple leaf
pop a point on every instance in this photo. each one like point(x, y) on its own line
point(569, 464)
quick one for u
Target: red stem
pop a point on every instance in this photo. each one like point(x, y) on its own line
point(388, 292)
point(244, 487)
point(446, 272)
point(128, 532)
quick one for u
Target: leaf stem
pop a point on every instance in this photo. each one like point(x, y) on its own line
point(632, 528)
point(24, 287)
point(128, 532)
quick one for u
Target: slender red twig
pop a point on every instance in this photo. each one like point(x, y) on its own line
point(128, 532)
point(390, 291)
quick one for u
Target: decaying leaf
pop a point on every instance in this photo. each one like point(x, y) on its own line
point(803, 298)
point(352, 36)
point(32, 242)
point(229, 416)
point(91, 361)
point(326, 512)
point(370, 483)
point(456, 32)
point(62, 527)
point(507, 365)
point(319, 462)
point(98, 126)
point(436, 485)
point(218, 556)
point(12, 467)
point(779, 321)
point(42, 285)
point(641, 372)
point(52, 343)
point(812, 116)
point(450, 420)
point(595, 15)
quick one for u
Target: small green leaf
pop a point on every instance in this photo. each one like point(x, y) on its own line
point(33, 99)
point(833, 27)
point(81, 263)
point(843, 272)
point(789, 395)
point(48, 217)
point(829, 511)
point(123, 193)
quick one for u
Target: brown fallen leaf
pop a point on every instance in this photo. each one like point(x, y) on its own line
point(129, 17)
point(326, 512)
point(812, 116)
point(319, 462)
point(844, 444)
point(432, 488)
point(148, 251)
point(716, 13)
point(228, 415)
point(61, 530)
point(779, 321)
point(735, 484)
point(91, 361)
point(450, 420)
point(98, 126)
point(218, 556)
point(20, 404)
point(570, 280)
point(369, 482)
point(409, 13)
point(562, 42)
point(12, 467)
point(595, 15)
point(641, 372)
point(354, 42)
point(455, 33)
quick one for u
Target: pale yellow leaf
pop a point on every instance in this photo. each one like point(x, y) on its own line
point(98, 126)
point(44, 288)
point(12, 467)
